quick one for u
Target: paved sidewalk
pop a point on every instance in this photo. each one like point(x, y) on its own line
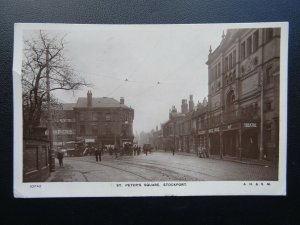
point(228, 158)
point(66, 174)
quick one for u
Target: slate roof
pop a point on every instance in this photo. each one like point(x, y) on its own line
point(68, 106)
point(103, 102)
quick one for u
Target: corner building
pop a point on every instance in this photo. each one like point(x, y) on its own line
point(64, 125)
point(103, 120)
point(243, 99)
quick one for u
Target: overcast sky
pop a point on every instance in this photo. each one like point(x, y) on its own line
point(173, 55)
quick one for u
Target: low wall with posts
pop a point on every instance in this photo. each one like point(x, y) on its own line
point(35, 159)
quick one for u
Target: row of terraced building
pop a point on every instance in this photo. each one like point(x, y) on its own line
point(240, 118)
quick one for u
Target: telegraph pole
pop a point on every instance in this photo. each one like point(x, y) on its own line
point(261, 145)
point(50, 130)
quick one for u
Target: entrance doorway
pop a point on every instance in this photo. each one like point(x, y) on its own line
point(250, 144)
point(230, 143)
point(214, 144)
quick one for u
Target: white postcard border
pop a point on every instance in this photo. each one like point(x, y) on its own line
point(172, 188)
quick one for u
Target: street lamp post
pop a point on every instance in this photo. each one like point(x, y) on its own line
point(174, 135)
point(261, 145)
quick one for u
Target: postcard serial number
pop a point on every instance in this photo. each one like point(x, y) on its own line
point(35, 186)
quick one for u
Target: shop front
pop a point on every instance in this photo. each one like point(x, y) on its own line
point(214, 141)
point(231, 140)
point(250, 143)
point(202, 140)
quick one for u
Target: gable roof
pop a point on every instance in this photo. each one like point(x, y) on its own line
point(103, 102)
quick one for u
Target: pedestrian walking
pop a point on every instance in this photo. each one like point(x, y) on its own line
point(173, 150)
point(139, 150)
point(92, 150)
point(100, 149)
point(60, 157)
point(135, 150)
point(116, 152)
point(97, 154)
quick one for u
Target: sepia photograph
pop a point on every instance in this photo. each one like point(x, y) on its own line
point(150, 110)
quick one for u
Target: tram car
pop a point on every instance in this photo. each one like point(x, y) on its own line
point(74, 149)
point(127, 148)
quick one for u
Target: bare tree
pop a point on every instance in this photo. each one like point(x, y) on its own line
point(34, 80)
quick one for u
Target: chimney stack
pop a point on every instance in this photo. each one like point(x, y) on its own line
point(122, 101)
point(184, 106)
point(191, 104)
point(89, 98)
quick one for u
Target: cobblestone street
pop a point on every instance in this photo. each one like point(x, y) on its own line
point(159, 166)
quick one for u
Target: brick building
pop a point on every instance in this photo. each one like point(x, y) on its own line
point(93, 120)
point(103, 120)
point(64, 125)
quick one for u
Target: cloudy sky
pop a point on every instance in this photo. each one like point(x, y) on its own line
point(162, 63)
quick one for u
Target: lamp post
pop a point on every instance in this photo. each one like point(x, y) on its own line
point(261, 144)
point(50, 136)
point(174, 135)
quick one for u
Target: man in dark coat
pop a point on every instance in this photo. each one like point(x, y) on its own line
point(100, 152)
point(60, 156)
point(173, 150)
point(97, 154)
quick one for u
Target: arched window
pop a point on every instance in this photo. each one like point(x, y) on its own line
point(230, 100)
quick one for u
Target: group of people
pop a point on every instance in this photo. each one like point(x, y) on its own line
point(112, 150)
point(136, 150)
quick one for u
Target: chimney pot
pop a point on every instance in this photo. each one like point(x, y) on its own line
point(122, 101)
point(89, 98)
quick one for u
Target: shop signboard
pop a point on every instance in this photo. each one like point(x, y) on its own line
point(250, 125)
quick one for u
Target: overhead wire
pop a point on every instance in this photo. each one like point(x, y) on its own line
point(153, 84)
